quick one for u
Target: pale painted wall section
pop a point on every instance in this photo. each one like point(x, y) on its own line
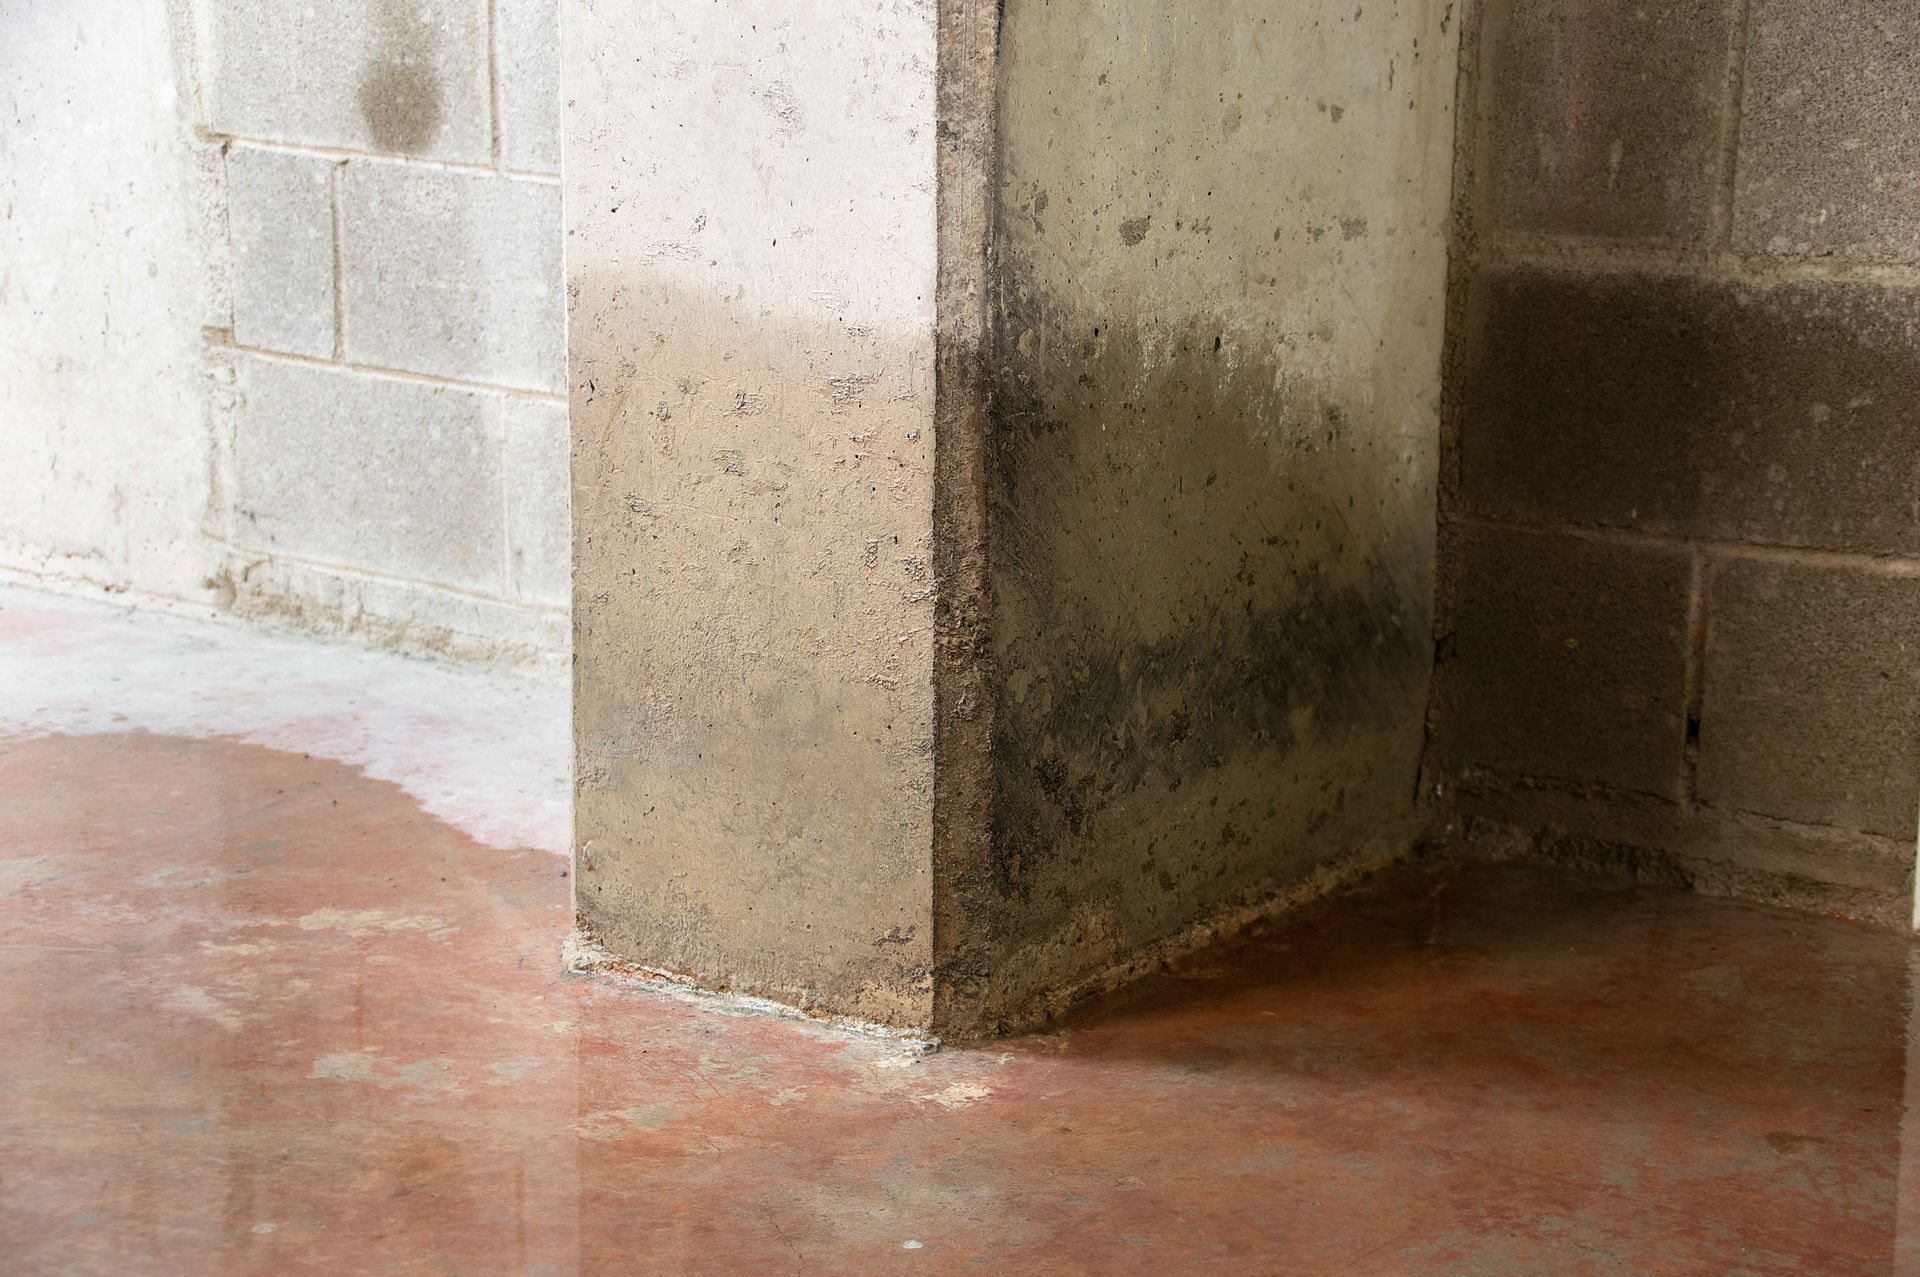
point(751, 267)
point(282, 316)
point(105, 449)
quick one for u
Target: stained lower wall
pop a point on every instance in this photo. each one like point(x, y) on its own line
point(751, 272)
point(1681, 510)
point(1220, 256)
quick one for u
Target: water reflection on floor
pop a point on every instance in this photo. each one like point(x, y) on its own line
point(265, 1015)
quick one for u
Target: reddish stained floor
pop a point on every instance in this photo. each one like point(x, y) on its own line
point(263, 1015)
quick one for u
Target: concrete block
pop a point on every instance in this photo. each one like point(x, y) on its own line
point(1811, 708)
point(453, 274)
point(280, 230)
point(376, 75)
point(1829, 159)
point(1787, 414)
point(369, 472)
point(1601, 120)
point(527, 53)
point(538, 499)
point(1571, 658)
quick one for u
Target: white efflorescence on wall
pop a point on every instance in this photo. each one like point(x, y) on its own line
point(281, 313)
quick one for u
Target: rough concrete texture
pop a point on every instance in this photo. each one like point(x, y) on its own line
point(752, 405)
point(1782, 413)
point(104, 446)
point(1221, 256)
point(280, 232)
point(1569, 659)
point(452, 274)
point(400, 76)
point(963, 791)
point(407, 615)
point(1812, 695)
point(1829, 160)
point(1602, 121)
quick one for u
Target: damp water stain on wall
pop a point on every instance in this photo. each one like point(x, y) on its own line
point(400, 94)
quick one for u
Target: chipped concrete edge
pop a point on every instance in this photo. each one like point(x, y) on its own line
point(583, 954)
point(963, 781)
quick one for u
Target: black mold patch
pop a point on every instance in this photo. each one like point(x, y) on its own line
point(1204, 589)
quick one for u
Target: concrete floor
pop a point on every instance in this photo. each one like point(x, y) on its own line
point(487, 752)
point(266, 1013)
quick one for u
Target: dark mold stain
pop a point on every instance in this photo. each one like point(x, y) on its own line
point(1201, 594)
point(400, 96)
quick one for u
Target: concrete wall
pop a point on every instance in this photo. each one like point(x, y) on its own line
point(751, 270)
point(105, 445)
point(1682, 509)
point(284, 323)
point(1221, 248)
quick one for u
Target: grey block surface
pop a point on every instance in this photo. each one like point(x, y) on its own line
point(1811, 708)
point(1602, 120)
point(527, 53)
point(399, 76)
point(1570, 656)
point(453, 274)
point(280, 231)
point(1829, 159)
point(369, 472)
point(1786, 414)
point(539, 497)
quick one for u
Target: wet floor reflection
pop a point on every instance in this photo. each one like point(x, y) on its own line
point(264, 1015)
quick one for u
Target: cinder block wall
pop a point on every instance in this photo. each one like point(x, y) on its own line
point(392, 444)
point(369, 414)
point(1679, 624)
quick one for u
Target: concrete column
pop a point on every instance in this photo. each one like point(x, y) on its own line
point(1003, 464)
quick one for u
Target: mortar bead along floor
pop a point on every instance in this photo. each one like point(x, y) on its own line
point(267, 1016)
